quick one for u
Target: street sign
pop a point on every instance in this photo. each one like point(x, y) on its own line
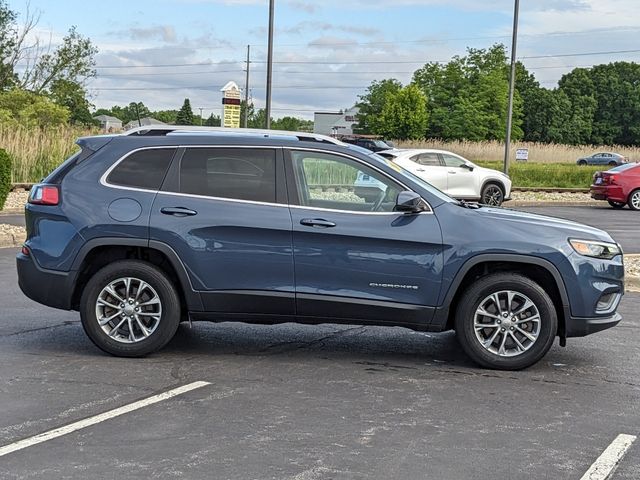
point(231, 105)
point(522, 155)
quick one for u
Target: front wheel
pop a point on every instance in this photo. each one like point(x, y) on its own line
point(492, 194)
point(616, 205)
point(506, 321)
point(130, 308)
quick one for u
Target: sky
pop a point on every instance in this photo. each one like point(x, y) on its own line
point(326, 53)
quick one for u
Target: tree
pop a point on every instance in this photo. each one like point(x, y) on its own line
point(213, 121)
point(371, 103)
point(185, 114)
point(467, 97)
point(19, 107)
point(251, 111)
point(404, 115)
point(71, 95)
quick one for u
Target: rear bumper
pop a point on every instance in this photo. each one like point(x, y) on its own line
point(48, 287)
point(614, 193)
point(580, 327)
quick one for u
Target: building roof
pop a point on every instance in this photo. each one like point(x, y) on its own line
point(107, 118)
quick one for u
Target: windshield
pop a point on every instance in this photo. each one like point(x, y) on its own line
point(381, 144)
point(406, 173)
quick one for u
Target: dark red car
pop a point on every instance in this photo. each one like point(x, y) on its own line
point(619, 186)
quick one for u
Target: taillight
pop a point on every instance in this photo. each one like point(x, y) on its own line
point(45, 195)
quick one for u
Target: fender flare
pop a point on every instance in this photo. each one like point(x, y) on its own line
point(192, 297)
point(442, 314)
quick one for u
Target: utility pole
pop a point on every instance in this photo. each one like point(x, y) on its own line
point(246, 90)
point(200, 116)
point(512, 83)
point(269, 65)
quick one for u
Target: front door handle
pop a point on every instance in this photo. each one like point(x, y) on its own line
point(178, 211)
point(317, 222)
point(453, 172)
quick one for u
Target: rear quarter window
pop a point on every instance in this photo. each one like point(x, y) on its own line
point(142, 169)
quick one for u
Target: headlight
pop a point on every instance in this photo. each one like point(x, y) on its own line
point(591, 248)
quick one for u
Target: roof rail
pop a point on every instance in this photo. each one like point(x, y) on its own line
point(160, 130)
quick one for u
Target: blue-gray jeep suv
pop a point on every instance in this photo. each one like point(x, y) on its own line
point(141, 231)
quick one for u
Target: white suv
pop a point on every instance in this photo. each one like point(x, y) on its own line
point(454, 175)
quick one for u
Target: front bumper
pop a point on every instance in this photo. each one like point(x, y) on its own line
point(48, 287)
point(579, 327)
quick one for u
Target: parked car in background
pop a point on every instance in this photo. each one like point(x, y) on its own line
point(603, 158)
point(619, 186)
point(372, 144)
point(454, 175)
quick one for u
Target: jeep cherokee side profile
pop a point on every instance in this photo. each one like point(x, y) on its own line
point(141, 231)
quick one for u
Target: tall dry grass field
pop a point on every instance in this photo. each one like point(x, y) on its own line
point(35, 152)
point(538, 152)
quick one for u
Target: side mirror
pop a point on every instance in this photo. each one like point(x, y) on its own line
point(410, 202)
point(468, 166)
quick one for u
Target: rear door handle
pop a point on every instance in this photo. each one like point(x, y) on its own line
point(317, 222)
point(178, 211)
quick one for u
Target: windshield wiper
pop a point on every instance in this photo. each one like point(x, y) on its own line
point(472, 206)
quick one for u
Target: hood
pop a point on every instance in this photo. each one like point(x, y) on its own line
point(572, 229)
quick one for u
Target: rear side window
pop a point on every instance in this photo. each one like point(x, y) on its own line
point(240, 173)
point(143, 169)
point(427, 159)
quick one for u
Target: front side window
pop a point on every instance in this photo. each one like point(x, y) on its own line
point(142, 169)
point(451, 161)
point(235, 173)
point(331, 181)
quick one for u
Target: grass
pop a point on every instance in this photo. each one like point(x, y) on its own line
point(551, 175)
point(35, 152)
point(538, 152)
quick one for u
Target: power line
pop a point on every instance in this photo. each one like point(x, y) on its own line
point(581, 54)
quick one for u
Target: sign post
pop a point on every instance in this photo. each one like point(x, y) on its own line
point(231, 105)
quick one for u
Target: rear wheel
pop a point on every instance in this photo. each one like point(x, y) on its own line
point(634, 200)
point(582, 163)
point(492, 194)
point(130, 308)
point(613, 164)
point(616, 205)
point(506, 321)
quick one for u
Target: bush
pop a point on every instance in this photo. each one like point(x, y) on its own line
point(5, 176)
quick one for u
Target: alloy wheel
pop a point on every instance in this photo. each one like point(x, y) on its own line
point(635, 200)
point(507, 323)
point(492, 196)
point(128, 310)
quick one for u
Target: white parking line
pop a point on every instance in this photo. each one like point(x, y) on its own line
point(87, 422)
point(606, 463)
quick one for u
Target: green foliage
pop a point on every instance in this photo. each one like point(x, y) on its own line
point(292, 124)
point(552, 175)
point(213, 121)
point(404, 115)
point(19, 107)
point(8, 39)
point(5, 176)
point(185, 114)
point(372, 103)
point(71, 95)
point(467, 98)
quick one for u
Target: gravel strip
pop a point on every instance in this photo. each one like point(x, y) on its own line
point(16, 201)
point(546, 197)
point(11, 235)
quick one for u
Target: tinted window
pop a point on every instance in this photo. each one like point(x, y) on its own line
point(242, 174)
point(622, 168)
point(143, 169)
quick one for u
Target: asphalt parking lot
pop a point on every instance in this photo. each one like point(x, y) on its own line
point(301, 402)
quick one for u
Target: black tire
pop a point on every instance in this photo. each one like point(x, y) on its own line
point(616, 205)
point(492, 194)
point(162, 286)
point(500, 282)
point(582, 163)
point(634, 200)
point(613, 164)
